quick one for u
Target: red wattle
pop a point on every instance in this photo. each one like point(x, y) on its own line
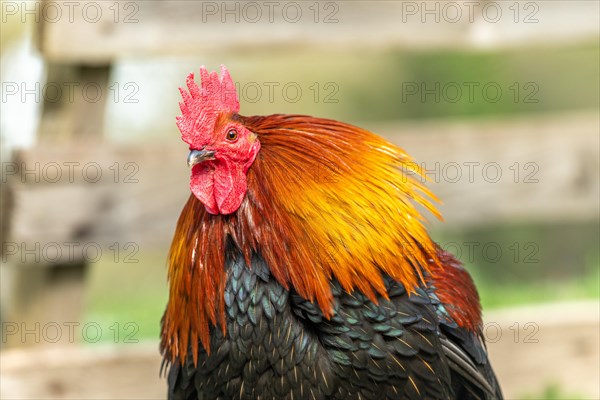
point(229, 186)
point(219, 185)
point(202, 185)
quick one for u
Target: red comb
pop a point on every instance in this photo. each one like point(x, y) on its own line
point(202, 106)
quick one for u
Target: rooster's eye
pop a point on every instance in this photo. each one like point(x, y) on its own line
point(232, 135)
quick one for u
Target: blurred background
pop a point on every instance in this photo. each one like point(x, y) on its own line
point(498, 101)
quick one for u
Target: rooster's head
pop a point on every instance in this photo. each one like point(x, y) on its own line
point(221, 147)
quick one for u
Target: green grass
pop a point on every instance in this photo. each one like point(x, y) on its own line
point(525, 76)
point(128, 296)
point(538, 262)
point(557, 284)
point(515, 294)
point(553, 391)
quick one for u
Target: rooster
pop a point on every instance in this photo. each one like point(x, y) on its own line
point(300, 267)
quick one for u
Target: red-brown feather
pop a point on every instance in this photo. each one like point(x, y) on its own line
point(456, 290)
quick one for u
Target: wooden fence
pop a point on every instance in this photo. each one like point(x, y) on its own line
point(548, 165)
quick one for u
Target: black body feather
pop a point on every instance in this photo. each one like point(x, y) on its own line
point(280, 346)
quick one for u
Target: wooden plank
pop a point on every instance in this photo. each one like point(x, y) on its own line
point(104, 194)
point(92, 372)
point(98, 32)
point(142, 202)
point(541, 168)
point(534, 347)
point(530, 348)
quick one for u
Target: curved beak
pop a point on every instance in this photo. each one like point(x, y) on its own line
point(198, 156)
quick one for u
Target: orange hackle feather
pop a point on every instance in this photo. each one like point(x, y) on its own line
point(325, 200)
